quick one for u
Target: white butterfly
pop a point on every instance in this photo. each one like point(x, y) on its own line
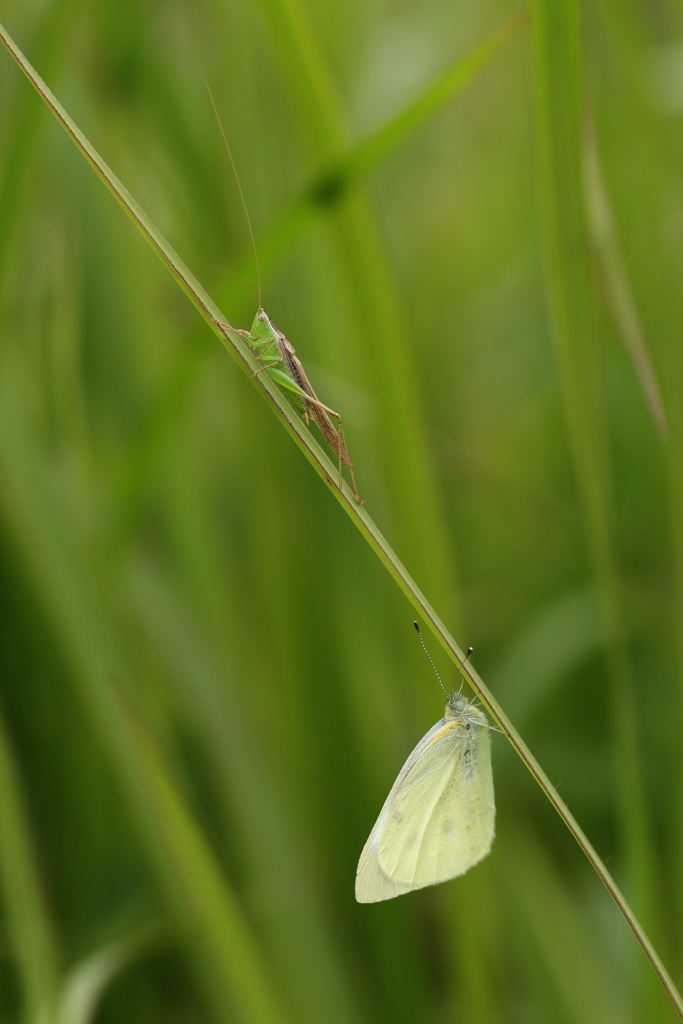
point(438, 819)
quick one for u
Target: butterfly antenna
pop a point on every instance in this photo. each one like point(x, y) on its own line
point(424, 648)
point(470, 652)
point(239, 186)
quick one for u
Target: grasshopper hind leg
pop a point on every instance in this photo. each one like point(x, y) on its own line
point(344, 451)
point(335, 438)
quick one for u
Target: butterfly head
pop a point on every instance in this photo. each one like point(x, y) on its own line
point(462, 708)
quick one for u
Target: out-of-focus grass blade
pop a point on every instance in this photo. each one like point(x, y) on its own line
point(364, 157)
point(558, 106)
point(374, 150)
point(617, 286)
point(164, 251)
point(259, 809)
point(561, 635)
point(585, 993)
point(85, 985)
point(213, 917)
point(225, 950)
point(26, 922)
point(23, 128)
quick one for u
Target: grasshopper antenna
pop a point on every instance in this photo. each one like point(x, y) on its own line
point(239, 186)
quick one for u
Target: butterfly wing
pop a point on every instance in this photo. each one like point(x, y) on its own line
point(438, 819)
point(372, 883)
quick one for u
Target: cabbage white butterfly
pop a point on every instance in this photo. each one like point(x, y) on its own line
point(438, 819)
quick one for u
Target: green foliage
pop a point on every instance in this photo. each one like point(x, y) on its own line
point(208, 683)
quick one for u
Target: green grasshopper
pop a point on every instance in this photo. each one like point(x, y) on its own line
point(281, 362)
point(283, 366)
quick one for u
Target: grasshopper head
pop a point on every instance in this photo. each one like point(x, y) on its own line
point(262, 329)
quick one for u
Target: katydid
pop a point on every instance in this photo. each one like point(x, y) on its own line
point(282, 365)
point(281, 362)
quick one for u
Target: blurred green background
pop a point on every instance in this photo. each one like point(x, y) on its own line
point(209, 682)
